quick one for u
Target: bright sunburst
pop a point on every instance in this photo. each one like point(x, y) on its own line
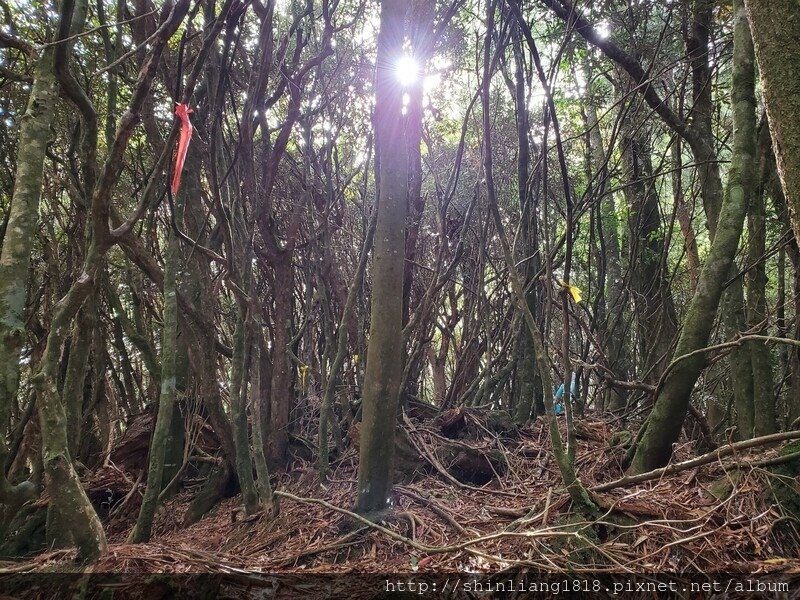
point(406, 70)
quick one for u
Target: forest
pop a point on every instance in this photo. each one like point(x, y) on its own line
point(400, 286)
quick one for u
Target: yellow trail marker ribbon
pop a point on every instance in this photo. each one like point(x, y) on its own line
point(574, 291)
point(303, 374)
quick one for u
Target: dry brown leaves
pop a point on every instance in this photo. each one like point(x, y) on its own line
point(675, 524)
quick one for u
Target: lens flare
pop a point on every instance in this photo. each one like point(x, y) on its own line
point(406, 70)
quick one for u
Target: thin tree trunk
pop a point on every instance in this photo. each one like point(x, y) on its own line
point(733, 312)
point(242, 340)
point(263, 485)
point(764, 409)
point(281, 388)
point(683, 216)
point(75, 379)
point(612, 302)
point(166, 402)
point(653, 300)
point(527, 386)
point(564, 456)
point(341, 346)
point(734, 320)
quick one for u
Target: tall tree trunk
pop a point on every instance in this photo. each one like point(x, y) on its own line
point(764, 409)
point(791, 359)
point(733, 313)
point(281, 386)
point(335, 370)
point(683, 216)
point(384, 368)
point(653, 300)
point(69, 505)
point(20, 235)
point(564, 455)
point(527, 386)
point(612, 301)
point(664, 424)
point(240, 371)
point(242, 344)
point(75, 379)
point(263, 485)
point(734, 320)
point(776, 30)
point(166, 402)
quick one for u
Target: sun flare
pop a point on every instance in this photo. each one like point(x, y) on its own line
point(406, 70)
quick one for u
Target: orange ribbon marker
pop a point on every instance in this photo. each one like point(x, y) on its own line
point(182, 111)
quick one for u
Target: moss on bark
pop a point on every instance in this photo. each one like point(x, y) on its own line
point(666, 419)
point(776, 29)
point(166, 402)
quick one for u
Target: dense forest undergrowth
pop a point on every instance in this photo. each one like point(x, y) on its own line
point(473, 493)
point(346, 285)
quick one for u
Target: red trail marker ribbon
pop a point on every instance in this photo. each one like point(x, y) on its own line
point(182, 111)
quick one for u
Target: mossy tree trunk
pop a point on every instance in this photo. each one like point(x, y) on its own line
point(166, 401)
point(665, 421)
point(75, 379)
point(791, 358)
point(776, 29)
point(281, 384)
point(734, 320)
point(69, 505)
point(68, 501)
point(263, 485)
point(733, 312)
point(242, 343)
point(384, 368)
point(764, 409)
point(20, 235)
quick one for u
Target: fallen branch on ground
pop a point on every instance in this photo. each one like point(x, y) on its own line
point(698, 461)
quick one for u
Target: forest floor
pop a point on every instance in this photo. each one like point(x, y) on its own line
point(712, 518)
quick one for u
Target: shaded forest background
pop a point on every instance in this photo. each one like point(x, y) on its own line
point(400, 227)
